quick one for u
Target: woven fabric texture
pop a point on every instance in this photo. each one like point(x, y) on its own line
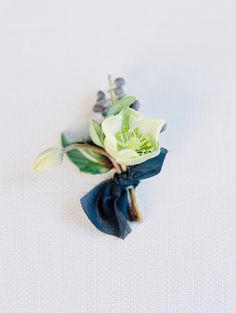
point(178, 58)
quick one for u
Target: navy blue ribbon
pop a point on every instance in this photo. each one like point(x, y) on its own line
point(106, 205)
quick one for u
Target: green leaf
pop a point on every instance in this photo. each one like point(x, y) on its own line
point(120, 105)
point(87, 161)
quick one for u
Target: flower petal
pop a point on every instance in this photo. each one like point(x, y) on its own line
point(110, 126)
point(96, 133)
point(130, 157)
point(146, 125)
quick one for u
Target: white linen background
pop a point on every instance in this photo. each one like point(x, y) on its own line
point(178, 58)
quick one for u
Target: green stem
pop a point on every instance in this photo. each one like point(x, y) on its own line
point(135, 205)
point(135, 213)
point(110, 90)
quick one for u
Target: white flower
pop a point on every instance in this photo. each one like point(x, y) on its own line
point(131, 138)
point(48, 159)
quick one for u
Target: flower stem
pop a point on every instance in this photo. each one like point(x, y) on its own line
point(131, 212)
point(95, 149)
point(110, 90)
point(134, 212)
point(135, 205)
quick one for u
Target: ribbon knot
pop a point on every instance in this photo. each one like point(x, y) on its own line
point(116, 191)
point(125, 181)
point(106, 205)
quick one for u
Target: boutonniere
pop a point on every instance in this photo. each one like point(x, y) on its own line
point(125, 142)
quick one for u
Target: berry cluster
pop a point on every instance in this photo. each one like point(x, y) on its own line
point(116, 92)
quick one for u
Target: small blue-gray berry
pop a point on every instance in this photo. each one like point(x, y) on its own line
point(104, 111)
point(119, 82)
point(101, 102)
point(135, 105)
point(164, 127)
point(119, 92)
point(101, 95)
point(97, 108)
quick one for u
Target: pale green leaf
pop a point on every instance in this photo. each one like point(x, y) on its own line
point(120, 105)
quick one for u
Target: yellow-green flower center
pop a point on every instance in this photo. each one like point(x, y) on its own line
point(132, 139)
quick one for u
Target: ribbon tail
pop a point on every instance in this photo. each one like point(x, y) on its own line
point(106, 206)
point(121, 209)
